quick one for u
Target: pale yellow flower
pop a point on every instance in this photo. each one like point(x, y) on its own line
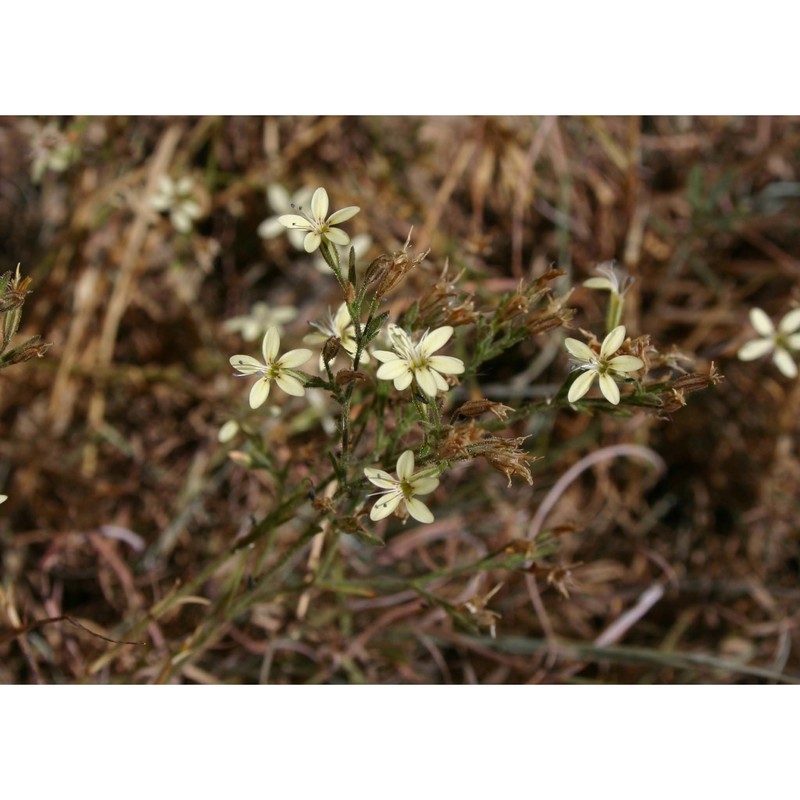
point(403, 488)
point(260, 319)
point(51, 150)
point(316, 224)
point(339, 327)
point(416, 362)
point(615, 281)
point(273, 369)
point(177, 197)
point(3, 498)
point(281, 202)
point(603, 365)
point(776, 341)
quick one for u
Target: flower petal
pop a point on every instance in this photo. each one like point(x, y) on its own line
point(191, 208)
point(581, 385)
point(791, 322)
point(380, 478)
point(337, 236)
point(754, 349)
point(311, 242)
point(386, 355)
point(441, 384)
point(294, 221)
point(270, 228)
point(259, 392)
point(393, 369)
point(385, 505)
point(793, 341)
point(783, 361)
point(270, 345)
point(424, 484)
point(579, 350)
point(403, 381)
point(342, 321)
point(446, 364)
point(598, 283)
point(613, 341)
point(625, 363)
point(609, 389)
point(761, 322)
point(181, 221)
point(418, 510)
point(294, 358)
point(290, 385)
point(405, 465)
point(277, 197)
point(319, 204)
point(425, 381)
point(246, 364)
point(435, 339)
point(343, 214)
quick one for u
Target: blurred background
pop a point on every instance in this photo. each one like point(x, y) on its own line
point(149, 241)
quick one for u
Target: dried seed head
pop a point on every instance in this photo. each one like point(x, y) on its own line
point(323, 504)
point(389, 270)
point(474, 408)
point(695, 381)
point(459, 438)
point(541, 323)
point(515, 306)
point(445, 304)
point(672, 400)
point(510, 463)
point(33, 348)
point(506, 456)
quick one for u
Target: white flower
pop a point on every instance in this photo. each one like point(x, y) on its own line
point(280, 202)
point(260, 319)
point(615, 282)
point(601, 365)
point(777, 341)
point(403, 487)
point(273, 369)
point(50, 149)
point(316, 225)
point(177, 198)
point(411, 361)
point(360, 243)
point(339, 327)
point(3, 498)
